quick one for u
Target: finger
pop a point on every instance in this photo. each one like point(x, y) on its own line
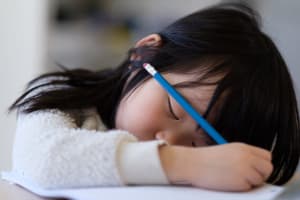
point(255, 178)
point(262, 153)
point(263, 167)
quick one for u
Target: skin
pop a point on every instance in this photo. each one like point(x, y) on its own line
point(138, 113)
point(189, 156)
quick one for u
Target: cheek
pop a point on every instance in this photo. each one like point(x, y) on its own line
point(140, 116)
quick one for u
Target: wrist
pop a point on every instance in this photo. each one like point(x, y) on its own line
point(174, 160)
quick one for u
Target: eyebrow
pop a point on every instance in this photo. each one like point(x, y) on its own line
point(191, 84)
point(183, 85)
point(170, 107)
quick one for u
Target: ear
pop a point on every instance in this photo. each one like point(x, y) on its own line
point(150, 40)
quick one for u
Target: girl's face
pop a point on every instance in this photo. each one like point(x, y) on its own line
point(149, 112)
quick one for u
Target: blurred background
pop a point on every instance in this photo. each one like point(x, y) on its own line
point(92, 34)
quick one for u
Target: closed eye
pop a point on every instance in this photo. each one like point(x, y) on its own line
point(171, 109)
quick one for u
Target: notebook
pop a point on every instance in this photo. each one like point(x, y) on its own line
point(266, 192)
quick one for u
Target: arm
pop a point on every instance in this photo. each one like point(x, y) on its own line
point(229, 167)
point(53, 152)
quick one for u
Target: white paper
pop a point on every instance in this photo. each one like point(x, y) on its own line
point(265, 192)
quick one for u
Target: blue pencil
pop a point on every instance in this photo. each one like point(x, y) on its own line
point(185, 105)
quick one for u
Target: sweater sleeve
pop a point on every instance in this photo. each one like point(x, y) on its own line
point(139, 163)
point(53, 152)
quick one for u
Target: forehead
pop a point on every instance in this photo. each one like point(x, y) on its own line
point(196, 93)
point(182, 82)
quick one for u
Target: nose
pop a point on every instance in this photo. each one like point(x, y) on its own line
point(173, 138)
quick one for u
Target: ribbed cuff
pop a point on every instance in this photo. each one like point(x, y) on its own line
point(139, 163)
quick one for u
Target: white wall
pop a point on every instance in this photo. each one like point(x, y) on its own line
point(22, 55)
point(159, 8)
point(281, 20)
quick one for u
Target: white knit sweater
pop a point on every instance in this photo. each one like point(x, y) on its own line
point(53, 151)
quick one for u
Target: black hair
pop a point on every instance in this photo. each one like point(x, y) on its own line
point(258, 103)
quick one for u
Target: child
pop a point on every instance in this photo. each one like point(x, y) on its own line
point(79, 128)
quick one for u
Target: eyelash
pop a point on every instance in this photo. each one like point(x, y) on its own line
point(171, 110)
point(177, 118)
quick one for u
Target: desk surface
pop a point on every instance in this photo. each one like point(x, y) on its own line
point(14, 192)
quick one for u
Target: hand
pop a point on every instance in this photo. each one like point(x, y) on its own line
point(229, 167)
